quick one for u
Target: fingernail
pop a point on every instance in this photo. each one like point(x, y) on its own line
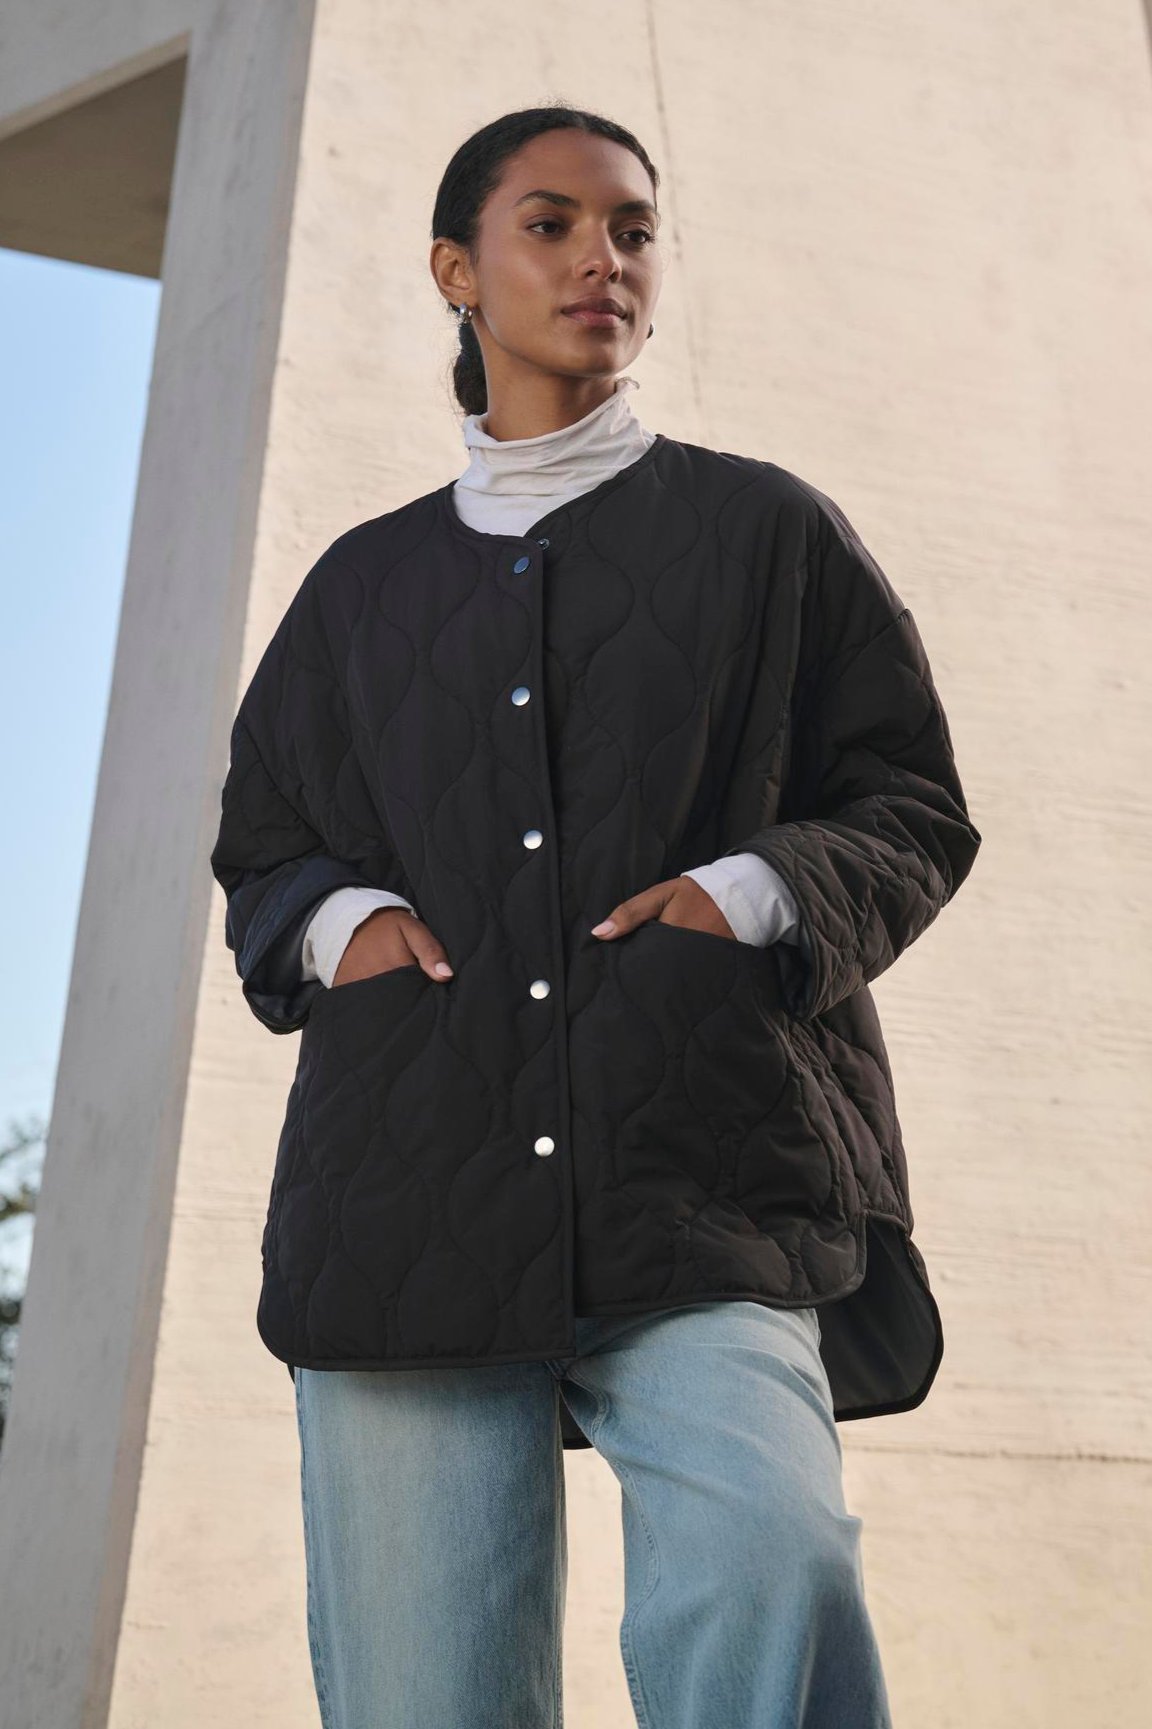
point(604, 929)
point(443, 969)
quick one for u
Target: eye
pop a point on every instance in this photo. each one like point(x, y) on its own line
point(553, 222)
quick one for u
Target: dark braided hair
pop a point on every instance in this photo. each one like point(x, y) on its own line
point(473, 173)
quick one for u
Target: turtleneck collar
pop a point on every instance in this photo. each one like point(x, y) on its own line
point(510, 483)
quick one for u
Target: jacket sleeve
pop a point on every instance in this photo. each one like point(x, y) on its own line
point(873, 836)
point(270, 856)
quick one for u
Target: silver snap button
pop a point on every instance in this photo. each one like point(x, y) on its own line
point(521, 564)
point(540, 987)
point(545, 1144)
point(532, 837)
point(545, 543)
point(520, 695)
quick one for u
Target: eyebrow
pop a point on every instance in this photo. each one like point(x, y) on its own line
point(630, 206)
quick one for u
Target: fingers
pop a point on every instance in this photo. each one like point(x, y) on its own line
point(635, 911)
point(428, 950)
point(388, 938)
point(696, 909)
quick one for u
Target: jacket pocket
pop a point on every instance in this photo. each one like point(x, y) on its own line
point(716, 1119)
point(376, 978)
point(350, 1109)
point(690, 931)
point(755, 969)
point(357, 1043)
point(684, 1072)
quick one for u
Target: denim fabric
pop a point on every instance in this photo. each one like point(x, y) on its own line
point(434, 1524)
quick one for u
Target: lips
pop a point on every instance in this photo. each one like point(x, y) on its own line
point(594, 318)
point(596, 303)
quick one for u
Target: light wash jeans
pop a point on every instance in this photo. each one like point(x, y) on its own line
point(435, 1539)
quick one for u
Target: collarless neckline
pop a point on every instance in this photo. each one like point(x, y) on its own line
point(481, 536)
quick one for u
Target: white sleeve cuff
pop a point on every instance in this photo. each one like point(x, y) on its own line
point(332, 924)
point(753, 897)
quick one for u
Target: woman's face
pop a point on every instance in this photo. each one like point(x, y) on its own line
point(536, 254)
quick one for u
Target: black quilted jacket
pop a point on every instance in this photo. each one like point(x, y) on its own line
point(516, 732)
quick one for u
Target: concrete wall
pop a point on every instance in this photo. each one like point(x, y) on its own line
point(909, 256)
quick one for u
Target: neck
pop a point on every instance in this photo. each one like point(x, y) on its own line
point(544, 405)
point(543, 461)
point(510, 482)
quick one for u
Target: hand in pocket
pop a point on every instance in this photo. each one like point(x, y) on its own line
point(388, 938)
point(690, 907)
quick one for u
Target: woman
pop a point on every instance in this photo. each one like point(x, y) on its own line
point(571, 811)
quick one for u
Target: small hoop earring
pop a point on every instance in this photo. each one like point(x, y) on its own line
point(465, 314)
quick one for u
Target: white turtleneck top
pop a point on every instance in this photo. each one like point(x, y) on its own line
point(510, 484)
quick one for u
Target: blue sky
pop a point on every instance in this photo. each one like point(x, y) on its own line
point(75, 357)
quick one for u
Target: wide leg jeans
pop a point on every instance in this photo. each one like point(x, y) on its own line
point(435, 1539)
